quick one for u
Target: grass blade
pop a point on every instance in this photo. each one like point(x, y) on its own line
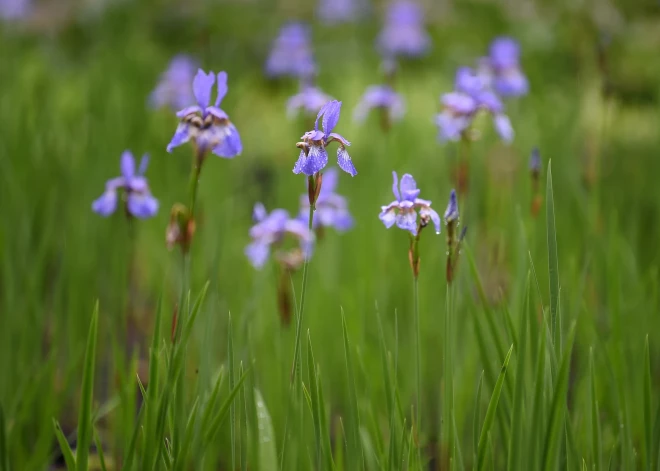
point(220, 417)
point(477, 415)
point(99, 451)
point(596, 447)
point(553, 264)
point(130, 451)
point(180, 459)
point(648, 431)
point(85, 415)
point(4, 449)
point(314, 401)
point(558, 409)
point(267, 450)
point(490, 413)
point(65, 447)
point(232, 408)
point(356, 443)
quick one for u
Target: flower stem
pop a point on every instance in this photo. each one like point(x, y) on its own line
point(296, 352)
point(194, 179)
point(447, 414)
point(418, 357)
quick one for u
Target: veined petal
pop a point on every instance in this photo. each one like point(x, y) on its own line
point(142, 205)
point(106, 204)
point(344, 161)
point(187, 111)
point(395, 186)
point(315, 160)
point(388, 214)
point(183, 133)
point(407, 219)
point(222, 87)
point(339, 138)
point(127, 164)
point(331, 116)
point(297, 168)
point(231, 145)
point(426, 211)
point(202, 86)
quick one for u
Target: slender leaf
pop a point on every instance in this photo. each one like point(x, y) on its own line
point(85, 425)
point(553, 264)
point(314, 396)
point(220, 417)
point(232, 408)
point(648, 431)
point(4, 448)
point(596, 447)
point(64, 447)
point(490, 413)
point(558, 409)
point(356, 443)
point(99, 451)
point(477, 415)
point(267, 450)
point(180, 459)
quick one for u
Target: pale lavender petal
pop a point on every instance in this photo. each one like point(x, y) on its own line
point(115, 183)
point(343, 221)
point(258, 253)
point(451, 126)
point(344, 161)
point(511, 82)
point(127, 164)
point(395, 186)
point(183, 133)
point(106, 204)
point(468, 81)
point(407, 219)
point(144, 163)
point(504, 128)
point(259, 212)
point(142, 205)
point(188, 111)
point(459, 103)
point(331, 113)
point(231, 145)
point(408, 186)
point(217, 112)
point(339, 138)
point(388, 214)
point(137, 184)
point(430, 213)
point(222, 87)
point(298, 167)
point(490, 101)
point(202, 87)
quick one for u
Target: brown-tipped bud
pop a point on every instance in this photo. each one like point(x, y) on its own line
point(180, 229)
point(537, 202)
point(317, 186)
point(414, 260)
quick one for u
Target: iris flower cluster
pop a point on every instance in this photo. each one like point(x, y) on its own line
point(498, 74)
point(403, 33)
point(382, 97)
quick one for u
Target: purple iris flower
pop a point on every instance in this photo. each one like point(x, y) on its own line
point(271, 229)
point(339, 11)
point(173, 89)
point(310, 99)
point(291, 53)
point(208, 126)
point(331, 208)
point(403, 33)
point(451, 213)
point(461, 106)
point(15, 9)
point(403, 210)
point(313, 155)
point(501, 69)
point(382, 97)
point(137, 196)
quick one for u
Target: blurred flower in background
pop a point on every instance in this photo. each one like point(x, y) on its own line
point(461, 106)
point(380, 97)
point(501, 69)
point(174, 88)
point(208, 126)
point(402, 211)
point(15, 9)
point(313, 155)
point(331, 208)
point(309, 99)
point(403, 33)
point(138, 199)
point(271, 229)
point(291, 54)
point(340, 11)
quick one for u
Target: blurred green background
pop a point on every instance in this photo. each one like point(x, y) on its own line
point(74, 83)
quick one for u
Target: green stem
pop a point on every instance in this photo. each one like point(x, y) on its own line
point(296, 351)
point(449, 386)
point(194, 179)
point(418, 357)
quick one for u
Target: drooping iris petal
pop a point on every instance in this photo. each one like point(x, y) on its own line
point(182, 135)
point(106, 204)
point(430, 213)
point(142, 205)
point(298, 167)
point(344, 161)
point(407, 217)
point(388, 214)
point(231, 144)
point(316, 160)
point(258, 253)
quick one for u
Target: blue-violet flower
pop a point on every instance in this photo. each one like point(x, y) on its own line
point(291, 53)
point(173, 89)
point(313, 155)
point(403, 210)
point(137, 196)
point(310, 99)
point(271, 229)
point(403, 33)
point(382, 97)
point(208, 126)
point(501, 69)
